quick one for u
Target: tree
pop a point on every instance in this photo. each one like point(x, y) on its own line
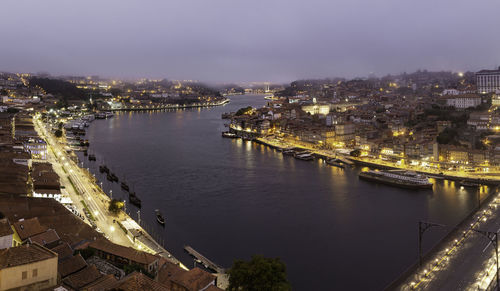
point(259, 274)
point(447, 136)
point(115, 206)
point(58, 133)
point(60, 125)
point(355, 153)
point(244, 110)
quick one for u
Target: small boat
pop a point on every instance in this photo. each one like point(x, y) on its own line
point(335, 162)
point(289, 152)
point(159, 217)
point(103, 169)
point(134, 199)
point(229, 134)
point(124, 186)
point(114, 178)
point(469, 184)
point(109, 177)
point(305, 157)
point(92, 158)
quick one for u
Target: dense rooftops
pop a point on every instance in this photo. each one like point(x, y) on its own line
point(23, 255)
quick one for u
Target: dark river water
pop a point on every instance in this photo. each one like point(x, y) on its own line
point(230, 199)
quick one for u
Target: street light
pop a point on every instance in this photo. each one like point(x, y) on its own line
point(422, 227)
point(493, 237)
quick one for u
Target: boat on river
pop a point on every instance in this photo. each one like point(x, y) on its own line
point(103, 169)
point(133, 199)
point(124, 186)
point(229, 134)
point(159, 217)
point(335, 163)
point(404, 179)
point(305, 156)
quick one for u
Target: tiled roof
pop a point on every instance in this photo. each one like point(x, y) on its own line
point(124, 252)
point(167, 271)
point(5, 228)
point(63, 251)
point(71, 265)
point(106, 282)
point(45, 238)
point(23, 255)
point(194, 279)
point(28, 227)
point(138, 281)
point(83, 277)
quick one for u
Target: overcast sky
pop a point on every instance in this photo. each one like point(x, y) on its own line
point(247, 40)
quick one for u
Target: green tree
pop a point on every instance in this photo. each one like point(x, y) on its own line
point(259, 274)
point(58, 133)
point(115, 206)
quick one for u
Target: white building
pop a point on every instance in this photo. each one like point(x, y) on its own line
point(488, 81)
point(464, 101)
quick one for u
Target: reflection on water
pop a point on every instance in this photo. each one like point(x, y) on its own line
point(231, 199)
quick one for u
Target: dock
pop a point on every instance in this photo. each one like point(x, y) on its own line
point(206, 262)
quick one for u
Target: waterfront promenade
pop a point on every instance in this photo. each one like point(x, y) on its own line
point(85, 193)
point(492, 177)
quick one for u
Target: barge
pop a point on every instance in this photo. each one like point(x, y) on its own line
point(409, 180)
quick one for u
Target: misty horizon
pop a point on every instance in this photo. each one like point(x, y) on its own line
point(231, 41)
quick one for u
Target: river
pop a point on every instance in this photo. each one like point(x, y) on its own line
point(230, 199)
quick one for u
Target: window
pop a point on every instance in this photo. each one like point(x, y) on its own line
point(25, 275)
point(35, 273)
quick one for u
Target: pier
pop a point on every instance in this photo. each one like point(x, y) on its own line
point(206, 262)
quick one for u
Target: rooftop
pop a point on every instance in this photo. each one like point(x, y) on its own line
point(71, 265)
point(124, 252)
point(45, 238)
point(194, 279)
point(26, 228)
point(138, 281)
point(24, 254)
point(5, 228)
point(83, 277)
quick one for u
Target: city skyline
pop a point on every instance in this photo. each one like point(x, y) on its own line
point(227, 41)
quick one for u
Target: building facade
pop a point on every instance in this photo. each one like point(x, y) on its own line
point(488, 81)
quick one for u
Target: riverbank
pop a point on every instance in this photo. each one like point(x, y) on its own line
point(168, 106)
point(81, 186)
point(484, 178)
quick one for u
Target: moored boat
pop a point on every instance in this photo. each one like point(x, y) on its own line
point(229, 134)
point(124, 186)
point(305, 156)
point(159, 217)
point(103, 169)
point(335, 163)
point(133, 199)
point(410, 180)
